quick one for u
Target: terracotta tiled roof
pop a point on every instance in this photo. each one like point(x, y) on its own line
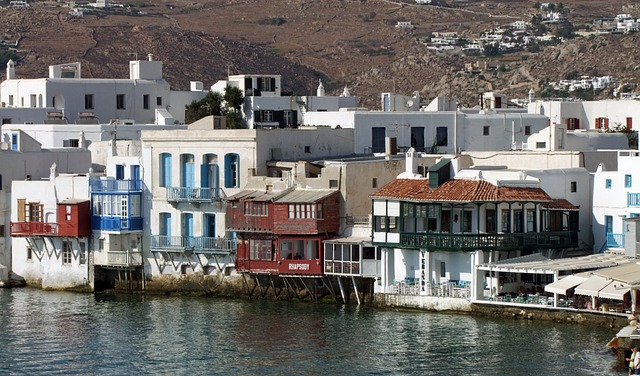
point(560, 204)
point(458, 190)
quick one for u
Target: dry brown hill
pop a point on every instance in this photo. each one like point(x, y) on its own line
point(344, 42)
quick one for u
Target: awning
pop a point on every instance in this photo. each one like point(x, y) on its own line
point(592, 286)
point(614, 290)
point(562, 285)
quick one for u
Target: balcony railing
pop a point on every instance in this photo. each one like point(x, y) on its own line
point(193, 243)
point(111, 185)
point(34, 228)
point(186, 194)
point(615, 240)
point(633, 199)
point(355, 220)
point(470, 242)
point(116, 223)
point(124, 258)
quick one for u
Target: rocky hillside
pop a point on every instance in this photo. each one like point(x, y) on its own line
point(352, 43)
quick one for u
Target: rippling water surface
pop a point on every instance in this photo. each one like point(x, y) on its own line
point(64, 333)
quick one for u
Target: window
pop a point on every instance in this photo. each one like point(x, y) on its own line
point(442, 138)
point(119, 172)
point(158, 101)
point(333, 183)
point(531, 220)
point(232, 171)
point(305, 211)
point(165, 170)
point(71, 143)
point(6, 120)
point(88, 101)
point(380, 223)
point(485, 130)
point(466, 221)
point(34, 99)
point(267, 83)
point(506, 221)
point(627, 181)
point(267, 116)
point(393, 224)
point(374, 183)
point(527, 130)
point(83, 253)
point(607, 184)
point(252, 208)
point(67, 252)
point(541, 145)
point(602, 123)
point(2, 231)
point(288, 118)
point(307, 149)
point(14, 141)
point(145, 101)
point(574, 186)
point(261, 250)
point(10, 100)
point(29, 254)
point(101, 244)
point(120, 104)
point(573, 123)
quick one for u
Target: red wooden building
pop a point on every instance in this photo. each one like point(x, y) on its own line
point(73, 219)
point(282, 232)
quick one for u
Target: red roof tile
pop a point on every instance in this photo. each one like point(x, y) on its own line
point(458, 190)
point(560, 204)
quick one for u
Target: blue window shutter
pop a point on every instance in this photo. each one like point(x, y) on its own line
point(165, 179)
point(216, 176)
point(119, 172)
point(227, 171)
point(204, 176)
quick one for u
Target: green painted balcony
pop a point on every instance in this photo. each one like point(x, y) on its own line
point(498, 242)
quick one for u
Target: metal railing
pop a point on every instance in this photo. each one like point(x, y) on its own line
point(124, 258)
point(633, 199)
point(193, 243)
point(615, 240)
point(187, 194)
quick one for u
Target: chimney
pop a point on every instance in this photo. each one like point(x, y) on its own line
point(150, 56)
point(11, 70)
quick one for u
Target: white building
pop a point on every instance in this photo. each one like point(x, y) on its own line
point(616, 196)
point(435, 230)
point(50, 229)
point(192, 171)
point(266, 107)
point(23, 159)
point(65, 97)
point(602, 115)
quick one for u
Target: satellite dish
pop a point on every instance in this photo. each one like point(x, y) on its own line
point(409, 103)
point(4, 146)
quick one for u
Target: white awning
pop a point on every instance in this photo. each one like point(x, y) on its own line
point(592, 286)
point(614, 290)
point(562, 285)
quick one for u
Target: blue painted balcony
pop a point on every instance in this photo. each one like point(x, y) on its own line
point(615, 240)
point(471, 242)
point(199, 244)
point(105, 223)
point(112, 186)
point(187, 194)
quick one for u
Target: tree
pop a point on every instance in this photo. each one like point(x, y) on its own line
point(233, 101)
point(211, 104)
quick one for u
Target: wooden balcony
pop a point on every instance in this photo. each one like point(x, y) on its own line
point(187, 194)
point(25, 229)
point(498, 242)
